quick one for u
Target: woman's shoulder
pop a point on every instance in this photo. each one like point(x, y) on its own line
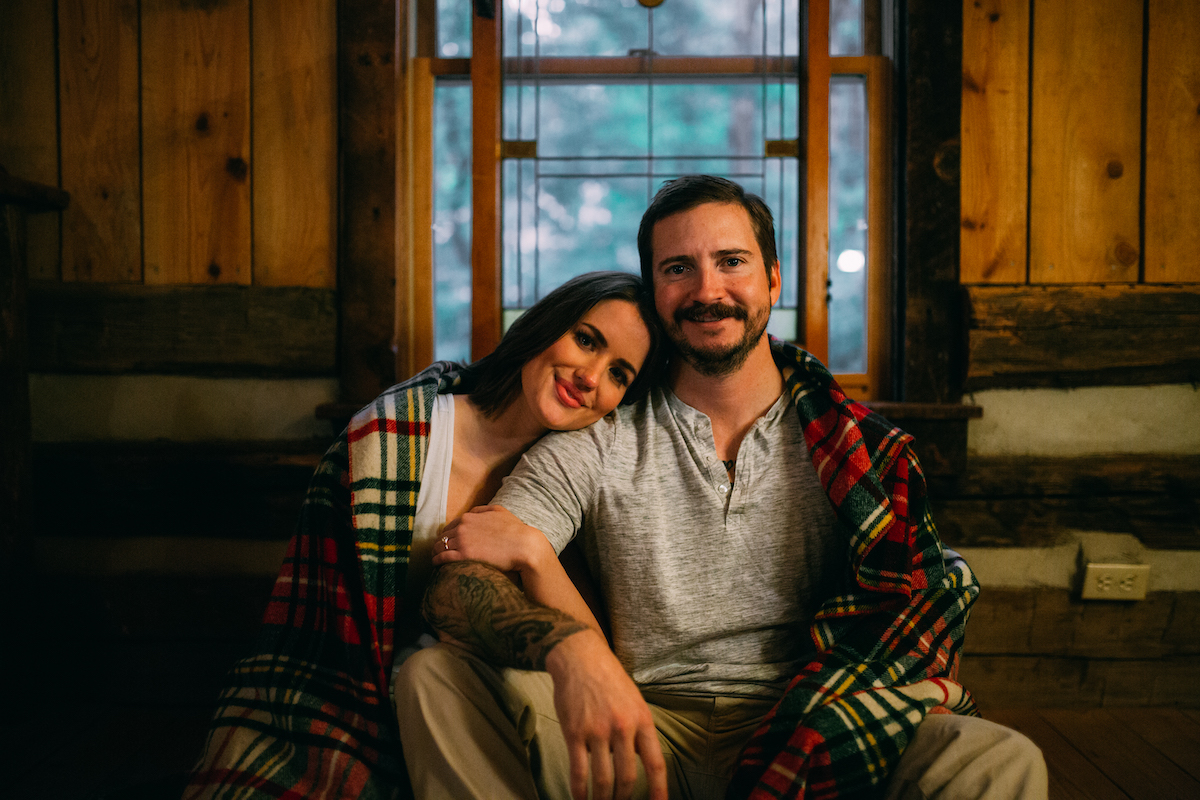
point(411, 400)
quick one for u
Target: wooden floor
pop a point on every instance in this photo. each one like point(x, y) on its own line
point(1117, 753)
point(142, 754)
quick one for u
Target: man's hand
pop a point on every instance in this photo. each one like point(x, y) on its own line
point(604, 720)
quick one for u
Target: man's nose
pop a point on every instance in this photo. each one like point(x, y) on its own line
point(709, 285)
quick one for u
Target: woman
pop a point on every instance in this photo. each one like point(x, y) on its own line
point(309, 714)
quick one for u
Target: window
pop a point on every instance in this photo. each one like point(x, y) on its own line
point(597, 102)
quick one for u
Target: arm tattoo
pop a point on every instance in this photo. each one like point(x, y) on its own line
point(482, 609)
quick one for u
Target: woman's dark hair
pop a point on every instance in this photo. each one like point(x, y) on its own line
point(497, 376)
point(689, 191)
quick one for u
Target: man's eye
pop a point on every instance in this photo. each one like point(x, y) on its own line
point(675, 269)
point(733, 261)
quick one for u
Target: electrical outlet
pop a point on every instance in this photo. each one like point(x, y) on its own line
point(1116, 581)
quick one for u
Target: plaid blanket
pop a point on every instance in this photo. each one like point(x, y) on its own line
point(888, 647)
point(308, 714)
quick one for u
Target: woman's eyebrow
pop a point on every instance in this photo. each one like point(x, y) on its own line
point(597, 334)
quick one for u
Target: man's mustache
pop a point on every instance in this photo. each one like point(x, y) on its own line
point(710, 312)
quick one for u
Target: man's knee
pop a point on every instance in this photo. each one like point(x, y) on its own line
point(954, 756)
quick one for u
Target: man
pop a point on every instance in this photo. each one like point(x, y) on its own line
point(743, 504)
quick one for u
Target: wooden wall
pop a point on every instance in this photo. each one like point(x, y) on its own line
point(198, 142)
point(1080, 216)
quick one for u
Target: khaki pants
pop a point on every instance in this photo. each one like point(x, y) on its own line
point(471, 731)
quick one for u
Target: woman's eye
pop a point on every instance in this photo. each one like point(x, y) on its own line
point(619, 376)
point(584, 339)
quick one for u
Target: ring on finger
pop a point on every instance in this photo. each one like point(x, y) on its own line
point(445, 542)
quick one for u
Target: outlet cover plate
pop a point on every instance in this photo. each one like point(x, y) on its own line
point(1116, 581)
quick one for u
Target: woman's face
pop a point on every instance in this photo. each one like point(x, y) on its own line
point(584, 375)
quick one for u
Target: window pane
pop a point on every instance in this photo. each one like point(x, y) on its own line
point(453, 29)
point(452, 220)
point(845, 28)
point(697, 119)
point(847, 224)
point(591, 119)
point(574, 27)
point(558, 227)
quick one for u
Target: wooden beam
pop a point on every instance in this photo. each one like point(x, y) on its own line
point(1027, 501)
point(816, 189)
point(1083, 335)
point(367, 102)
point(929, 85)
point(485, 185)
point(219, 330)
point(250, 491)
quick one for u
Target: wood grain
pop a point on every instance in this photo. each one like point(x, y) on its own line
point(1173, 143)
point(367, 237)
point(1167, 730)
point(1086, 142)
point(815, 205)
point(295, 143)
point(995, 140)
point(29, 119)
point(1083, 335)
point(101, 162)
point(485, 186)
point(196, 141)
point(1136, 767)
point(1071, 775)
point(213, 330)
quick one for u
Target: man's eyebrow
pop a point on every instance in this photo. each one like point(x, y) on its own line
point(733, 251)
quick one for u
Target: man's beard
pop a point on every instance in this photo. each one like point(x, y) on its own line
point(718, 361)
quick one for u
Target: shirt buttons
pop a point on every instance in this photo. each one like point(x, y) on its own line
point(723, 488)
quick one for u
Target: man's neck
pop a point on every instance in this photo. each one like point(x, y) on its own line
point(732, 402)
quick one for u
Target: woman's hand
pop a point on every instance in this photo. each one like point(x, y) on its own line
point(494, 535)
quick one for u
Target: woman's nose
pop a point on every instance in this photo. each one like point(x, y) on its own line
point(587, 376)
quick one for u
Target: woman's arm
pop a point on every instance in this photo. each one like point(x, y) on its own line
point(494, 535)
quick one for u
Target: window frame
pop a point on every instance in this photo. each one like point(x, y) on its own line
point(485, 70)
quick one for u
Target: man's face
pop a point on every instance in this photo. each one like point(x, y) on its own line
point(711, 288)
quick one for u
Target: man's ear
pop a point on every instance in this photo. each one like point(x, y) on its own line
point(775, 281)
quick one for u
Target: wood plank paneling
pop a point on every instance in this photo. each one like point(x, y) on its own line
point(1086, 140)
point(1083, 335)
point(196, 141)
point(101, 162)
point(295, 143)
point(29, 119)
point(1173, 143)
point(995, 140)
point(215, 330)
